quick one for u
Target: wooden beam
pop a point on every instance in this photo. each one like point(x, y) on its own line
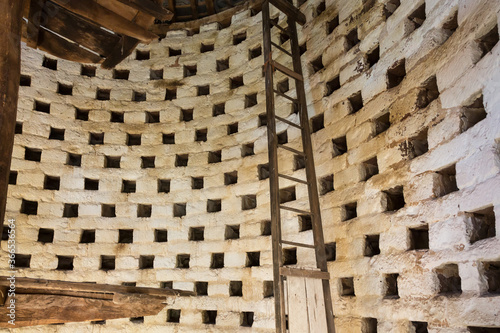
point(22, 282)
point(305, 273)
point(210, 7)
point(82, 31)
point(291, 11)
point(171, 6)
point(107, 18)
point(121, 50)
point(36, 17)
point(149, 7)
point(65, 49)
point(10, 67)
point(194, 8)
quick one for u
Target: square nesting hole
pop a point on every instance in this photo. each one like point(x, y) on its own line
point(268, 289)
point(217, 260)
point(200, 135)
point(391, 286)
point(179, 209)
point(152, 117)
point(450, 282)
point(289, 256)
point(352, 39)
point(415, 146)
point(287, 194)
point(70, 210)
point(232, 128)
point(253, 259)
point(146, 262)
point(218, 109)
point(488, 41)
point(449, 181)
point(190, 70)
point(372, 245)
point(317, 64)
point(108, 210)
point(139, 96)
point(142, 55)
point(370, 168)
point(65, 263)
point(283, 86)
point(121, 74)
point(250, 100)
point(317, 123)
point(51, 183)
point(214, 205)
point(390, 7)
point(332, 24)
point(168, 138)
point(326, 184)
point(492, 275)
point(81, 114)
point(22, 260)
point(88, 70)
point(19, 128)
point(201, 288)
point(483, 224)
point(428, 93)
point(254, 52)
point(173, 316)
point(56, 134)
point(265, 228)
point(45, 235)
point(332, 86)
point(186, 115)
point(355, 102)
point(196, 234)
point(96, 138)
point(419, 237)
point(347, 287)
point(32, 154)
point(12, 177)
point(91, 184)
point(144, 210)
point(112, 162)
point(148, 162)
point(350, 211)
point(230, 178)
point(41, 106)
point(369, 325)
point(382, 123)
point(395, 198)
point(396, 74)
point(203, 90)
point(262, 119)
point(236, 82)
point(282, 137)
point(125, 236)
point(170, 94)
point(222, 64)
point(419, 326)
point(247, 149)
point(214, 156)
point(174, 52)
point(418, 16)
point(161, 235)
point(331, 251)
point(474, 113)
point(305, 222)
point(156, 74)
point(206, 47)
point(373, 56)
point(87, 236)
point(64, 89)
point(232, 232)
point(49, 63)
point(248, 202)
point(163, 185)
point(246, 319)
point(209, 317)
point(239, 38)
point(117, 117)
point(197, 183)
point(181, 160)
point(263, 171)
point(299, 162)
point(339, 146)
point(134, 139)
point(103, 94)
point(235, 289)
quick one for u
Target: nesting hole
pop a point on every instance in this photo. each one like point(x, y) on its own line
point(103, 94)
point(347, 286)
point(209, 317)
point(170, 94)
point(299, 162)
point(265, 228)
point(339, 146)
point(51, 183)
point(474, 113)
point(356, 102)
point(32, 154)
point(370, 168)
point(107, 263)
point(287, 194)
point(317, 64)
point(232, 128)
point(133, 139)
point(108, 210)
point(112, 162)
point(88, 70)
point(219, 109)
point(318, 122)
point(152, 117)
point(372, 245)
point(45, 235)
point(181, 160)
point(173, 316)
point(49, 63)
point(395, 198)
point(168, 138)
point(350, 211)
point(179, 209)
point(305, 222)
point(147, 162)
point(144, 210)
point(246, 319)
point(203, 90)
point(117, 117)
point(352, 39)
point(142, 55)
point(235, 82)
point(492, 274)
point(239, 38)
point(206, 47)
point(163, 185)
point(65, 263)
point(230, 178)
point(332, 25)
point(396, 74)
point(146, 262)
point(125, 236)
point(217, 260)
point(483, 224)
point(248, 202)
point(186, 115)
point(428, 93)
point(87, 236)
point(196, 234)
point(418, 16)
point(70, 210)
point(255, 52)
point(190, 70)
point(369, 325)
point(214, 156)
point(250, 100)
point(172, 52)
point(201, 288)
point(373, 57)
point(253, 259)
point(214, 205)
point(331, 251)
point(201, 135)
point(121, 74)
point(419, 327)
point(81, 114)
point(156, 74)
point(290, 256)
point(96, 138)
point(247, 149)
point(222, 64)
point(42, 106)
point(390, 7)
point(232, 232)
point(235, 288)
point(332, 86)
point(64, 89)
point(419, 238)
point(161, 235)
point(391, 286)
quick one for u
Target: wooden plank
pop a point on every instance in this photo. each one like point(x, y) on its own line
point(298, 319)
point(149, 7)
point(292, 12)
point(286, 271)
point(65, 49)
point(210, 7)
point(171, 6)
point(22, 282)
point(121, 50)
point(297, 180)
point(10, 67)
point(310, 246)
point(52, 309)
point(35, 18)
point(107, 18)
point(82, 31)
point(287, 71)
point(194, 9)
point(316, 306)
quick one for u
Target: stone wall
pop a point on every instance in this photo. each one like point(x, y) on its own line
point(155, 173)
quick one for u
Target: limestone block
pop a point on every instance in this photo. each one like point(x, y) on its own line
point(394, 241)
point(373, 204)
point(425, 186)
point(218, 289)
point(349, 176)
point(470, 172)
point(394, 34)
point(451, 234)
point(234, 259)
point(353, 69)
point(447, 129)
point(459, 64)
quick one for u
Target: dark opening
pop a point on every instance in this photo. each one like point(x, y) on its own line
point(419, 326)
point(186, 115)
point(352, 38)
point(262, 119)
point(121, 74)
point(370, 168)
point(138, 96)
point(290, 256)
point(173, 316)
point(170, 94)
point(235, 82)
point(395, 198)
point(112, 162)
point(218, 109)
point(49, 63)
point(214, 206)
point(382, 123)
point(448, 176)
point(488, 41)
point(287, 194)
point(152, 117)
point(347, 286)
point(232, 232)
point(88, 236)
point(283, 86)
point(299, 162)
point(13, 178)
point(483, 329)
point(232, 128)
point(339, 146)
point(390, 7)
point(372, 245)
point(492, 274)
point(196, 233)
point(103, 94)
point(248, 202)
point(305, 222)
point(204, 90)
point(147, 262)
point(317, 64)
point(449, 280)
point(321, 8)
point(331, 251)
point(303, 48)
point(350, 211)
point(391, 286)
point(197, 183)
point(396, 74)
point(326, 184)
point(209, 317)
point(137, 320)
point(64, 89)
point(181, 160)
point(108, 210)
point(263, 171)
point(332, 24)
point(174, 52)
point(81, 114)
point(255, 52)
point(42, 106)
point(144, 210)
point(161, 235)
point(19, 128)
point(474, 113)
point(22, 260)
point(117, 117)
point(332, 85)
point(238, 38)
point(247, 150)
point(70, 210)
point(369, 325)
point(265, 228)
point(31, 154)
point(190, 70)
point(236, 288)
point(96, 138)
point(148, 162)
point(418, 16)
point(156, 74)
point(98, 322)
point(64, 263)
point(222, 64)
point(88, 70)
point(163, 185)
point(230, 178)
point(133, 139)
point(451, 25)
point(318, 122)
point(217, 260)
point(214, 156)
point(56, 134)
point(284, 37)
point(415, 146)
point(107, 263)
point(428, 93)
point(356, 102)
point(168, 138)
point(179, 209)
point(206, 47)
point(45, 235)
point(125, 236)
point(282, 137)
point(250, 100)
point(373, 57)
point(51, 183)
point(253, 259)
point(246, 319)
point(419, 238)
point(142, 55)
point(201, 135)
point(483, 224)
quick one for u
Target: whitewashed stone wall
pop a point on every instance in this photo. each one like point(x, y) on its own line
point(405, 108)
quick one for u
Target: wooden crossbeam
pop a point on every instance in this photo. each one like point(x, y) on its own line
point(149, 7)
point(35, 17)
point(290, 11)
point(210, 7)
point(107, 18)
point(122, 49)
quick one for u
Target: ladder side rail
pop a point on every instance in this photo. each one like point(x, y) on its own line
point(278, 285)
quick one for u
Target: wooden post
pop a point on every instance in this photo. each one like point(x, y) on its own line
point(10, 67)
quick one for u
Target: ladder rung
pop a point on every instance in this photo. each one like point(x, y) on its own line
point(300, 211)
point(287, 71)
point(286, 121)
point(298, 244)
point(292, 179)
point(298, 152)
point(280, 48)
point(286, 271)
point(279, 27)
point(285, 96)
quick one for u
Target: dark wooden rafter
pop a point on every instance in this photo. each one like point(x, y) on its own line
point(36, 16)
point(149, 7)
point(210, 7)
point(171, 6)
point(194, 8)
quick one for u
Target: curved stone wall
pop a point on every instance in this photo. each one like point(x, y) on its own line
point(155, 173)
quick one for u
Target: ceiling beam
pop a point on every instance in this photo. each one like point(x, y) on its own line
point(149, 7)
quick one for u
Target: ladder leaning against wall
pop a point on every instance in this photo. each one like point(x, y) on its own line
point(303, 301)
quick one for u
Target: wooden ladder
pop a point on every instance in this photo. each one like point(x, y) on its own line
point(314, 282)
